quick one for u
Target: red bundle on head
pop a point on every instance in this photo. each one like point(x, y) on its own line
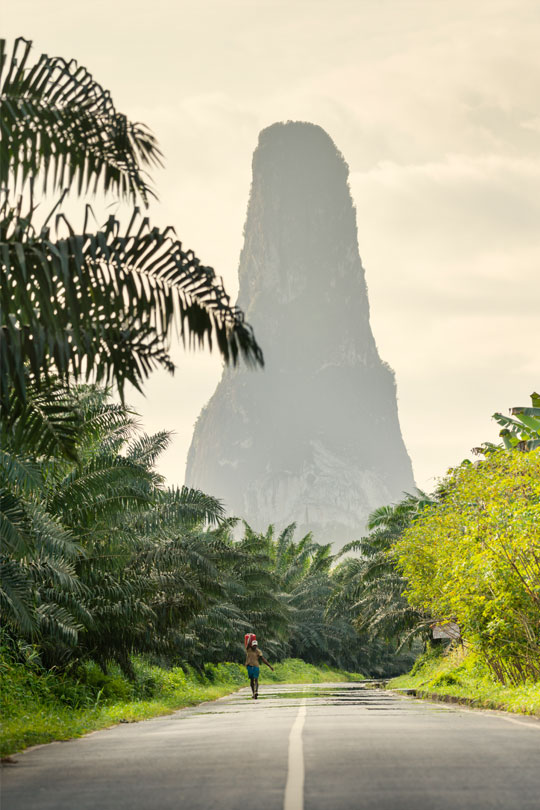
point(249, 638)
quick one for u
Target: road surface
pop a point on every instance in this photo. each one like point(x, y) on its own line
point(321, 747)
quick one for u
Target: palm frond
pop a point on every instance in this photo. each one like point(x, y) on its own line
point(44, 423)
point(58, 121)
point(143, 284)
point(20, 473)
point(145, 449)
point(17, 596)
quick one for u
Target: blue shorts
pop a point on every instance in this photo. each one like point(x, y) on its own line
point(253, 672)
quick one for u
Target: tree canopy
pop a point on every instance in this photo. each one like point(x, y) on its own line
point(474, 558)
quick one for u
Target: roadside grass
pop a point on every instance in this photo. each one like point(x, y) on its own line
point(39, 706)
point(464, 675)
point(294, 670)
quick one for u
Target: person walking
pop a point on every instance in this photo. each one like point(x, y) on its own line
point(253, 658)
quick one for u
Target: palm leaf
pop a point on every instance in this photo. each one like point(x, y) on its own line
point(57, 120)
point(104, 304)
point(44, 423)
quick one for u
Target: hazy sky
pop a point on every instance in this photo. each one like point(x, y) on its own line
point(435, 105)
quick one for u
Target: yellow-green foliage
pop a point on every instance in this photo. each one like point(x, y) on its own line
point(39, 706)
point(467, 677)
point(475, 558)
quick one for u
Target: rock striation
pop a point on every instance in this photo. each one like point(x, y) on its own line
point(315, 437)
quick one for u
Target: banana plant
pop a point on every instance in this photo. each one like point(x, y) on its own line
point(523, 431)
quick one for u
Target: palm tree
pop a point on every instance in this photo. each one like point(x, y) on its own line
point(91, 304)
point(40, 593)
point(101, 560)
point(372, 588)
point(96, 554)
point(290, 607)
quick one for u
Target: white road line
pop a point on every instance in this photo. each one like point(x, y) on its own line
point(481, 713)
point(492, 713)
point(521, 723)
point(457, 707)
point(294, 789)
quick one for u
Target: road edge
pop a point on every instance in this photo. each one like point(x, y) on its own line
point(477, 704)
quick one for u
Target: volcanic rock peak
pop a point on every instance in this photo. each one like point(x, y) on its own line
point(315, 438)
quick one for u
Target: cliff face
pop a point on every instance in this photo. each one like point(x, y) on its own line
point(315, 437)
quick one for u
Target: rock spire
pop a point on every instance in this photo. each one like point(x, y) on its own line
point(315, 437)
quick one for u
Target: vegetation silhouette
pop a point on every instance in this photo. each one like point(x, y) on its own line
point(102, 304)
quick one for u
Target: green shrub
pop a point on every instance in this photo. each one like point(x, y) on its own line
point(431, 654)
point(445, 679)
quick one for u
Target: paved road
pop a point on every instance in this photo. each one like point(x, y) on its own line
point(322, 747)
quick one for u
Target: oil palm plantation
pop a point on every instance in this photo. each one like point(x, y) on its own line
point(98, 556)
point(101, 560)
